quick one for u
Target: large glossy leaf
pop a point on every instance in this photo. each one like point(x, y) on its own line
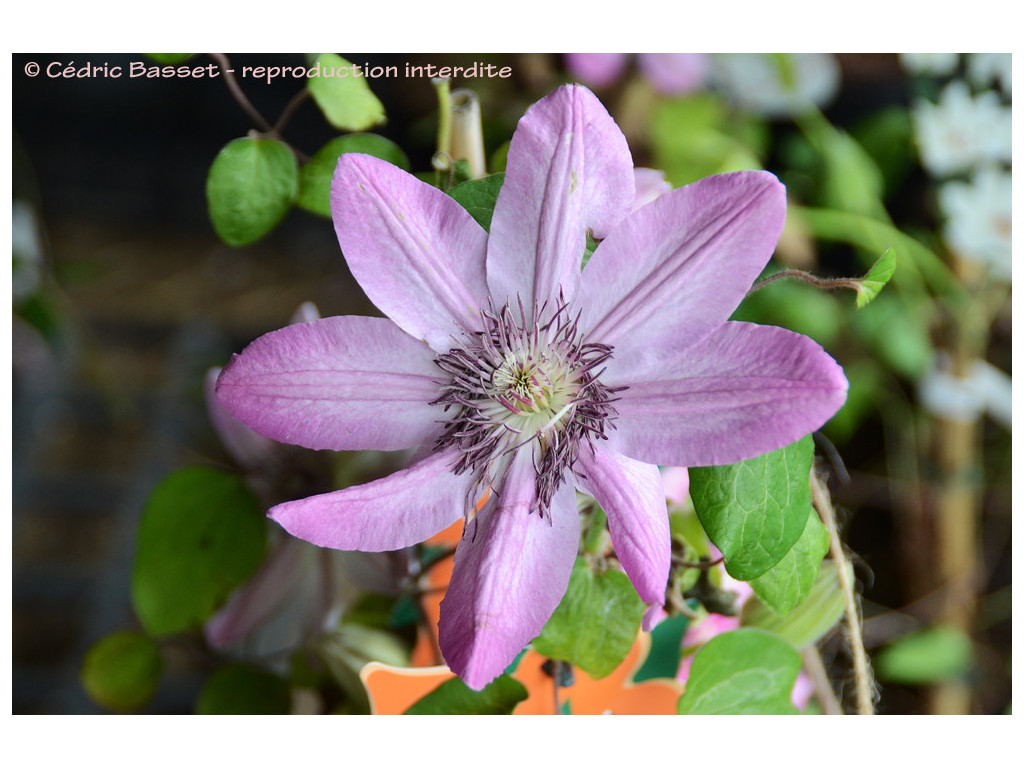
point(790, 580)
point(121, 671)
point(202, 534)
point(743, 672)
point(250, 188)
point(343, 95)
point(595, 625)
point(755, 510)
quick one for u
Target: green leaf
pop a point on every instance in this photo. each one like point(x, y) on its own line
point(170, 58)
point(499, 158)
point(685, 528)
point(238, 689)
point(807, 622)
point(864, 232)
point(876, 278)
point(250, 188)
point(790, 580)
point(344, 97)
point(454, 697)
point(202, 533)
point(754, 511)
point(666, 650)
point(695, 136)
point(316, 175)
point(932, 655)
point(121, 671)
point(897, 332)
point(596, 624)
point(887, 135)
point(743, 672)
point(479, 196)
point(371, 610)
point(852, 180)
point(588, 249)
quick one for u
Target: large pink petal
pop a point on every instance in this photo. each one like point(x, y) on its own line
point(397, 511)
point(745, 390)
point(569, 169)
point(344, 383)
point(633, 497)
point(677, 268)
point(417, 254)
point(511, 569)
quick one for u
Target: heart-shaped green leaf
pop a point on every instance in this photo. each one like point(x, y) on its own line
point(743, 672)
point(595, 625)
point(755, 510)
point(250, 188)
point(201, 534)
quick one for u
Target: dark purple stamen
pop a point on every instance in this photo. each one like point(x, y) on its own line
point(511, 384)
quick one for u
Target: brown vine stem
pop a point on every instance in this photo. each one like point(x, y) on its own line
point(290, 109)
point(861, 669)
point(826, 284)
point(243, 101)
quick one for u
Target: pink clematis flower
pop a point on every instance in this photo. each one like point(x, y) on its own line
point(671, 74)
point(521, 377)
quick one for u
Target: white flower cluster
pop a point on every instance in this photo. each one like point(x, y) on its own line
point(962, 131)
point(968, 134)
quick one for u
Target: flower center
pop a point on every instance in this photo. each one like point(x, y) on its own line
point(516, 384)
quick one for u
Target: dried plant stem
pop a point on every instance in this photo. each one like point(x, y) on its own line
point(822, 685)
point(957, 458)
point(861, 669)
point(956, 542)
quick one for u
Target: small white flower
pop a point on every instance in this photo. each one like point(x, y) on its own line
point(985, 68)
point(932, 64)
point(962, 131)
point(978, 219)
point(776, 85)
point(985, 389)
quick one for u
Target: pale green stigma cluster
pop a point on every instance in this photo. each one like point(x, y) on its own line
point(518, 383)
